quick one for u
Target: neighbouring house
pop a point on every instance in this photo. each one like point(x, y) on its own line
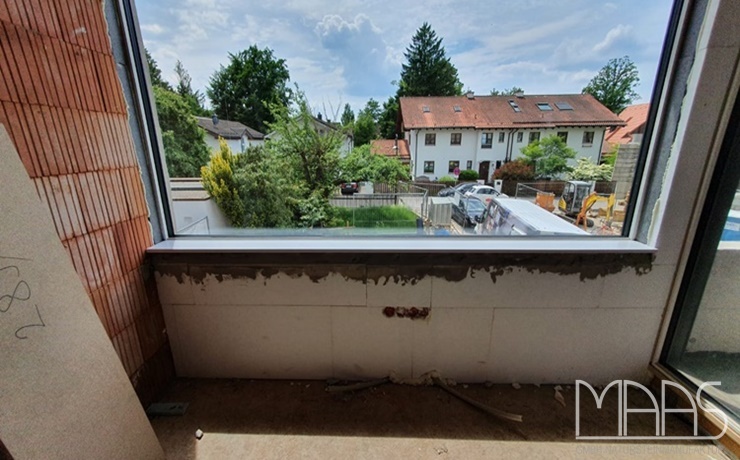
point(452, 133)
point(635, 117)
point(194, 212)
point(324, 127)
point(237, 135)
point(393, 148)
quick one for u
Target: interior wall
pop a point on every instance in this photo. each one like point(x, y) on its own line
point(526, 319)
point(62, 104)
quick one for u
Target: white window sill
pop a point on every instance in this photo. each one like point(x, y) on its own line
point(471, 245)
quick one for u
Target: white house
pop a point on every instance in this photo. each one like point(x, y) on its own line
point(237, 135)
point(448, 134)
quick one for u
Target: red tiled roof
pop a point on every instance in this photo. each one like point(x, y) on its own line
point(635, 116)
point(386, 147)
point(492, 112)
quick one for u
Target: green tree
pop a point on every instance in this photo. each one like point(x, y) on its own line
point(388, 118)
point(428, 71)
point(246, 89)
point(614, 85)
point(348, 116)
point(185, 148)
point(194, 99)
point(587, 170)
point(220, 182)
point(362, 164)
point(155, 75)
point(549, 157)
point(506, 91)
point(366, 125)
point(311, 156)
point(268, 197)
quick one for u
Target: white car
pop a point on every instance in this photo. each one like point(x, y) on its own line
point(484, 193)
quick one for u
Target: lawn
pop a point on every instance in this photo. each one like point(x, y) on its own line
point(375, 217)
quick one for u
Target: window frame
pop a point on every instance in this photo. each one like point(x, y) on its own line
point(469, 165)
point(519, 137)
point(455, 139)
point(534, 136)
point(583, 139)
point(430, 139)
point(451, 168)
point(501, 137)
point(627, 243)
point(426, 164)
point(486, 141)
point(563, 135)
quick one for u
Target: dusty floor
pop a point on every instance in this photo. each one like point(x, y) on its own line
point(299, 419)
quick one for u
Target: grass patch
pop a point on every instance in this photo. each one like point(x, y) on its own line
point(374, 217)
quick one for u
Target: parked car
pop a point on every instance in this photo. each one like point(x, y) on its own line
point(349, 188)
point(450, 191)
point(468, 211)
point(484, 193)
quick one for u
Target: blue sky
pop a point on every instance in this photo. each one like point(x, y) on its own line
point(352, 50)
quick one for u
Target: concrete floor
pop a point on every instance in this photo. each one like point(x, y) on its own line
point(299, 419)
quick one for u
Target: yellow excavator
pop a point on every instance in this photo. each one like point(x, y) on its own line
point(578, 198)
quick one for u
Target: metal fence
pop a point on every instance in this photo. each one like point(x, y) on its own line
point(405, 194)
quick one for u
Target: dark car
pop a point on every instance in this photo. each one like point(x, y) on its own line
point(462, 188)
point(467, 210)
point(349, 188)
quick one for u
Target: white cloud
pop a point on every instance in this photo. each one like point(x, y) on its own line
point(153, 29)
point(614, 35)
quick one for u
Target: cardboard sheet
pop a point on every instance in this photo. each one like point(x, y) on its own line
point(63, 390)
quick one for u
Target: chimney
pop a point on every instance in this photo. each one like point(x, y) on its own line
point(214, 119)
point(470, 95)
point(519, 94)
point(319, 116)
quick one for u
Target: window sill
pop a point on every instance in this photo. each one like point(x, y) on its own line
point(410, 245)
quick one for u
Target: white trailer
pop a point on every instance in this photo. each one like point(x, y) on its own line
point(509, 216)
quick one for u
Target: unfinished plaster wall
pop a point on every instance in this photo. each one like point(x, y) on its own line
point(62, 104)
point(493, 318)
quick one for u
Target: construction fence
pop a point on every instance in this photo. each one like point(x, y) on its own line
point(405, 194)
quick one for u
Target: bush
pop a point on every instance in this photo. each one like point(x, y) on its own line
point(517, 170)
point(447, 180)
point(468, 175)
point(549, 157)
point(588, 171)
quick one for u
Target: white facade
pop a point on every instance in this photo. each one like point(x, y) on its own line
point(236, 145)
point(471, 150)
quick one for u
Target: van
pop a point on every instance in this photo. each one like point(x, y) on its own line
point(509, 216)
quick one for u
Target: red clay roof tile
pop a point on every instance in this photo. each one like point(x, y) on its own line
point(497, 112)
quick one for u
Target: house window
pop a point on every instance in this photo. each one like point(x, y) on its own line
point(429, 167)
point(501, 137)
point(520, 137)
point(534, 136)
point(453, 166)
point(469, 164)
point(544, 106)
point(588, 138)
point(486, 141)
point(564, 136)
point(455, 138)
point(430, 139)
